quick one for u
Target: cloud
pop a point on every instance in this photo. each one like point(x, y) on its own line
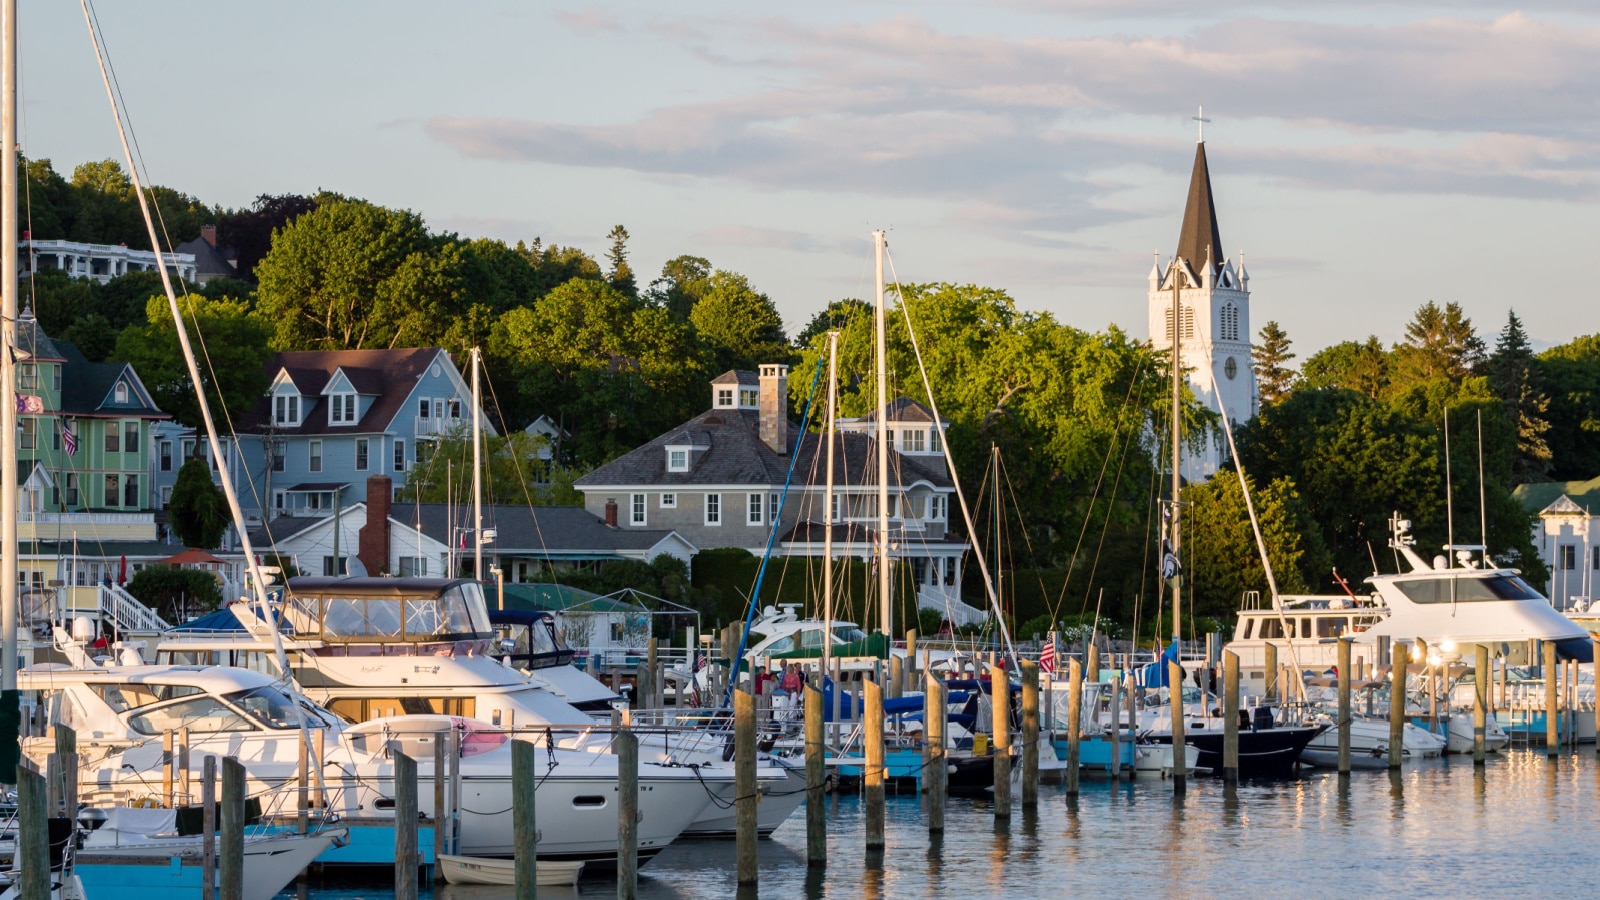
point(588, 22)
point(1015, 134)
point(764, 238)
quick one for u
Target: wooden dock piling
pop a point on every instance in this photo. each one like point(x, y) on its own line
point(1397, 704)
point(897, 677)
point(1344, 705)
point(524, 824)
point(1230, 718)
point(1269, 687)
point(208, 828)
point(230, 859)
point(1074, 724)
point(439, 815)
point(405, 827)
point(1091, 663)
point(1180, 771)
point(816, 778)
point(1030, 734)
point(169, 761)
point(1552, 708)
point(935, 713)
point(1116, 729)
point(67, 749)
point(33, 834)
point(1000, 705)
point(872, 769)
point(744, 783)
point(1480, 705)
point(911, 658)
point(627, 748)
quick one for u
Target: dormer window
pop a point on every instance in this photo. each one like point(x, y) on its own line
point(677, 459)
point(342, 409)
point(749, 398)
point(934, 445)
point(285, 409)
point(912, 440)
point(724, 398)
point(120, 392)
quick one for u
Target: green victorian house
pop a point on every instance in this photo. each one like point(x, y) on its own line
point(84, 429)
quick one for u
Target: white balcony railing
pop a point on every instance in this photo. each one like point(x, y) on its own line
point(440, 426)
point(95, 518)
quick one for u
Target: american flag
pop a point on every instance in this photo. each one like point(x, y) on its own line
point(69, 438)
point(1047, 658)
point(694, 680)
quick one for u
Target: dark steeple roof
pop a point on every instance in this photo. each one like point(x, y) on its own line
point(1200, 233)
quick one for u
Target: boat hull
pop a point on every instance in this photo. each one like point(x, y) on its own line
point(1267, 753)
point(144, 871)
point(482, 870)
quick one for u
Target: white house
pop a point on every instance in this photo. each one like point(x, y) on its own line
point(1567, 533)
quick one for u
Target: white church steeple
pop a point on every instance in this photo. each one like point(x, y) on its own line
point(1213, 319)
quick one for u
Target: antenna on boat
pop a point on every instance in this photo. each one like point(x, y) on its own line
point(827, 531)
point(1449, 492)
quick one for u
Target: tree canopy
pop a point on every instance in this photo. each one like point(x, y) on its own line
point(198, 511)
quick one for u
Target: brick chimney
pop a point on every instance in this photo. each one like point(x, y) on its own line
point(209, 232)
point(373, 539)
point(774, 407)
point(611, 512)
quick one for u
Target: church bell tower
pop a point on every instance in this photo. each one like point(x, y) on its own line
point(1213, 318)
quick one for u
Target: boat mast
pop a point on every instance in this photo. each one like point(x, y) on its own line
point(9, 702)
point(999, 574)
point(878, 244)
point(827, 533)
point(477, 473)
point(1176, 689)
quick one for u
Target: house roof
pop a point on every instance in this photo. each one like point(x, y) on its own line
point(276, 531)
point(1200, 238)
point(543, 596)
point(208, 260)
point(32, 339)
point(86, 387)
point(735, 454)
point(536, 530)
point(1540, 496)
point(390, 375)
point(903, 409)
point(737, 376)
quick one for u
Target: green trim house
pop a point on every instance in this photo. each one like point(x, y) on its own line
point(108, 412)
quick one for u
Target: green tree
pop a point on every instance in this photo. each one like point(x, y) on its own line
point(1223, 559)
point(1270, 360)
point(515, 473)
point(1571, 374)
point(1515, 377)
point(248, 232)
point(94, 336)
point(230, 344)
point(684, 280)
point(621, 274)
point(741, 324)
point(198, 511)
point(176, 593)
point(554, 266)
point(351, 275)
point(838, 314)
point(1440, 343)
point(1360, 366)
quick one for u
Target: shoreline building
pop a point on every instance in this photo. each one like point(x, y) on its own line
point(1213, 320)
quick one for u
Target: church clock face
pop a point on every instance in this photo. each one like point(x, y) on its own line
point(1230, 368)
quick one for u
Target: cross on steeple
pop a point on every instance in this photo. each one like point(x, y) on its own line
point(1200, 116)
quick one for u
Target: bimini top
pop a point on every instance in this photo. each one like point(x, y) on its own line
point(387, 610)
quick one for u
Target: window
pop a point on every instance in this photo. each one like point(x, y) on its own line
point(772, 508)
point(912, 440)
point(361, 454)
point(121, 392)
point(399, 456)
point(424, 406)
point(113, 438)
point(1228, 323)
point(936, 506)
point(286, 409)
point(30, 434)
point(935, 440)
point(438, 408)
point(27, 376)
point(455, 408)
point(616, 632)
point(71, 492)
point(130, 491)
point(187, 448)
point(413, 567)
point(314, 456)
point(1188, 322)
point(724, 397)
point(950, 569)
point(280, 500)
point(833, 508)
point(328, 565)
point(342, 411)
point(280, 455)
point(677, 459)
point(112, 485)
point(755, 517)
point(1230, 368)
point(670, 501)
point(164, 451)
point(636, 510)
point(166, 495)
point(55, 377)
point(130, 439)
point(1597, 557)
point(1471, 590)
point(713, 509)
point(749, 397)
point(1569, 557)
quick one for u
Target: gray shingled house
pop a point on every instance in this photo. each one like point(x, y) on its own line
point(717, 479)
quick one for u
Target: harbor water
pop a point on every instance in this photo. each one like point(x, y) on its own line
point(1436, 829)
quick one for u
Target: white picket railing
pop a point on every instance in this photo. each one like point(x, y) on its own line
point(127, 613)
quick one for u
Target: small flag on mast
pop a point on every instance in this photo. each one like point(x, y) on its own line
point(1047, 657)
point(1170, 567)
point(69, 438)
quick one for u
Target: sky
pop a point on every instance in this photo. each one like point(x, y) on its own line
point(1366, 156)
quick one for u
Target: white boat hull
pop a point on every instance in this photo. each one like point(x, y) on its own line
point(484, 870)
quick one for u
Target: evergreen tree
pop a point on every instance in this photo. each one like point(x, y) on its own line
point(621, 274)
point(198, 511)
point(1440, 343)
point(1514, 376)
point(1270, 360)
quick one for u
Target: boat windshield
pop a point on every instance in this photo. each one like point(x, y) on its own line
point(848, 633)
point(458, 613)
point(201, 715)
point(267, 705)
point(1467, 590)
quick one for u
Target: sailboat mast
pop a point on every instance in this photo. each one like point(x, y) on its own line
point(8, 373)
point(999, 573)
point(884, 435)
point(1177, 448)
point(827, 533)
point(477, 470)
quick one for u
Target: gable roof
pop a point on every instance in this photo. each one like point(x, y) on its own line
point(86, 387)
point(1538, 497)
point(738, 376)
point(389, 375)
point(1200, 238)
point(902, 409)
point(32, 339)
point(208, 260)
point(558, 530)
point(736, 454)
